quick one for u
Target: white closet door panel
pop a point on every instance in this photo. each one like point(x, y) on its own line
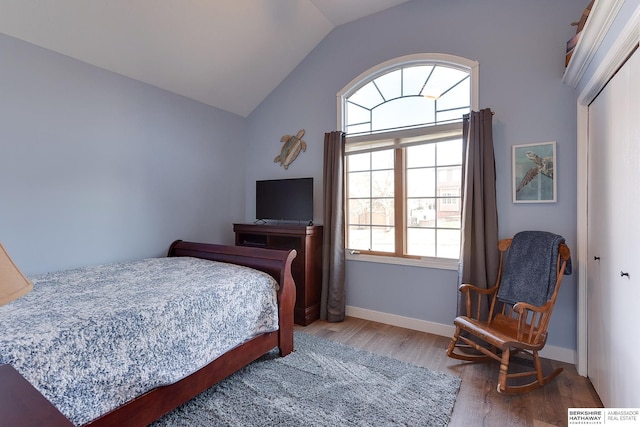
point(599, 305)
point(614, 237)
point(627, 289)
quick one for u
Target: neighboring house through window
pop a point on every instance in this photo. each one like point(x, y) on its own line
point(403, 155)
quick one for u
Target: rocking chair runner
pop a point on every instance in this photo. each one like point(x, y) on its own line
point(510, 324)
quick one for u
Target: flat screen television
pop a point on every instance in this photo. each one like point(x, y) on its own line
point(285, 199)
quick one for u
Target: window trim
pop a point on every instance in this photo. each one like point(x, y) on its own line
point(388, 140)
point(391, 65)
point(430, 262)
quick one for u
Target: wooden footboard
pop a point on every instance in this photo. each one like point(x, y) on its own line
point(152, 405)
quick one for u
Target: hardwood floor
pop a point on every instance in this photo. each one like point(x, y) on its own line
point(478, 402)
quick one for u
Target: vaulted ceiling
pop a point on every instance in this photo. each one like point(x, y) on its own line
point(229, 54)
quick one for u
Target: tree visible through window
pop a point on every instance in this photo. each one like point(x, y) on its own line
point(403, 156)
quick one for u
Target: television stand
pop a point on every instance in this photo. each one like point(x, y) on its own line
point(307, 266)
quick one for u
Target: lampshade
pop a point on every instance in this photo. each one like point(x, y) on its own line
point(13, 284)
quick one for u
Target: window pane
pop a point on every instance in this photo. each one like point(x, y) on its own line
point(403, 112)
point(382, 212)
point(449, 152)
point(449, 219)
point(414, 78)
point(390, 85)
point(421, 242)
point(359, 237)
point(449, 182)
point(421, 155)
point(358, 162)
point(449, 202)
point(441, 80)
point(421, 212)
point(383, 239)
point(356, 114)
point(382, 183)
point(457, 97)
point(449, 178)
point(382, 159)
point(359, 211)
point(367, 96)
point(359, 184)
point(364, 128)
point(448, 244)
point(421, 182)
point(451, 115)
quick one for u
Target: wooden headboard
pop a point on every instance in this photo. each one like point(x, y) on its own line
point(271, 261)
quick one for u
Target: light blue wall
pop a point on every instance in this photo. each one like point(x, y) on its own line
point(96, 167)
point(520, 46)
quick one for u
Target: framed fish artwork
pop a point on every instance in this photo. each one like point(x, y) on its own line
point(534, 173)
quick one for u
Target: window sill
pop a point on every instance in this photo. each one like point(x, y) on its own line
point(440, 263)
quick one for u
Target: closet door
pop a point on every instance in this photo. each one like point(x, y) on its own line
point(597, 244)
point(613, 273)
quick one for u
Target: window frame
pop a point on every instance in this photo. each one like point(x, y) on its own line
point(455, 128)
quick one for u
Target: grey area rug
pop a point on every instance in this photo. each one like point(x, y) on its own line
point(323, 383)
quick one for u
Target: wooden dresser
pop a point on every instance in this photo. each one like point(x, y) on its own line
point(306, 267)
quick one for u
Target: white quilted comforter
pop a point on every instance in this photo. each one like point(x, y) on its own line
point(93, 338)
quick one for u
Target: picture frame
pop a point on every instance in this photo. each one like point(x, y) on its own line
point(534, 174)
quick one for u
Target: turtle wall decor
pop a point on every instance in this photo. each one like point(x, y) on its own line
point(292, 146)
point(543, 165)
point(534, 174)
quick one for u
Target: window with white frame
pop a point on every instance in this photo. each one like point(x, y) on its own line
point(403, 155)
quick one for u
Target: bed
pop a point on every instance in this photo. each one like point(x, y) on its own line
point(169, 368)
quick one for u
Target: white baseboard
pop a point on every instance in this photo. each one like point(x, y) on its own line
point(401, 321)
point(560, 354)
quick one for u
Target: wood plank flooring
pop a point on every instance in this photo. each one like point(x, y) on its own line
point(478, 402)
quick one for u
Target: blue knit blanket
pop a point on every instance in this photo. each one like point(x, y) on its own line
point(91, 339)
point(529, 271)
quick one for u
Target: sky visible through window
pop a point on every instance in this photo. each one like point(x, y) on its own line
point(409, 97)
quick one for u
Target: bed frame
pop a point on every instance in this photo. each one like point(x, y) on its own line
point(157, 402)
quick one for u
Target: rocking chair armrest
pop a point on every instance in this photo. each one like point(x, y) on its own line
point(467, 287)
point(473, 309)
point(521, 307)
point(532, 321)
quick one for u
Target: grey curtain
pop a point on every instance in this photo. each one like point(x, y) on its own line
point(479, 255)
point(333, 300)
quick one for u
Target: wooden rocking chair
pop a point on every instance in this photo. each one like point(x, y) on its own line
point(514, 322)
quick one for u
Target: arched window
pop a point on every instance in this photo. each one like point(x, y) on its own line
point(403, 156)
